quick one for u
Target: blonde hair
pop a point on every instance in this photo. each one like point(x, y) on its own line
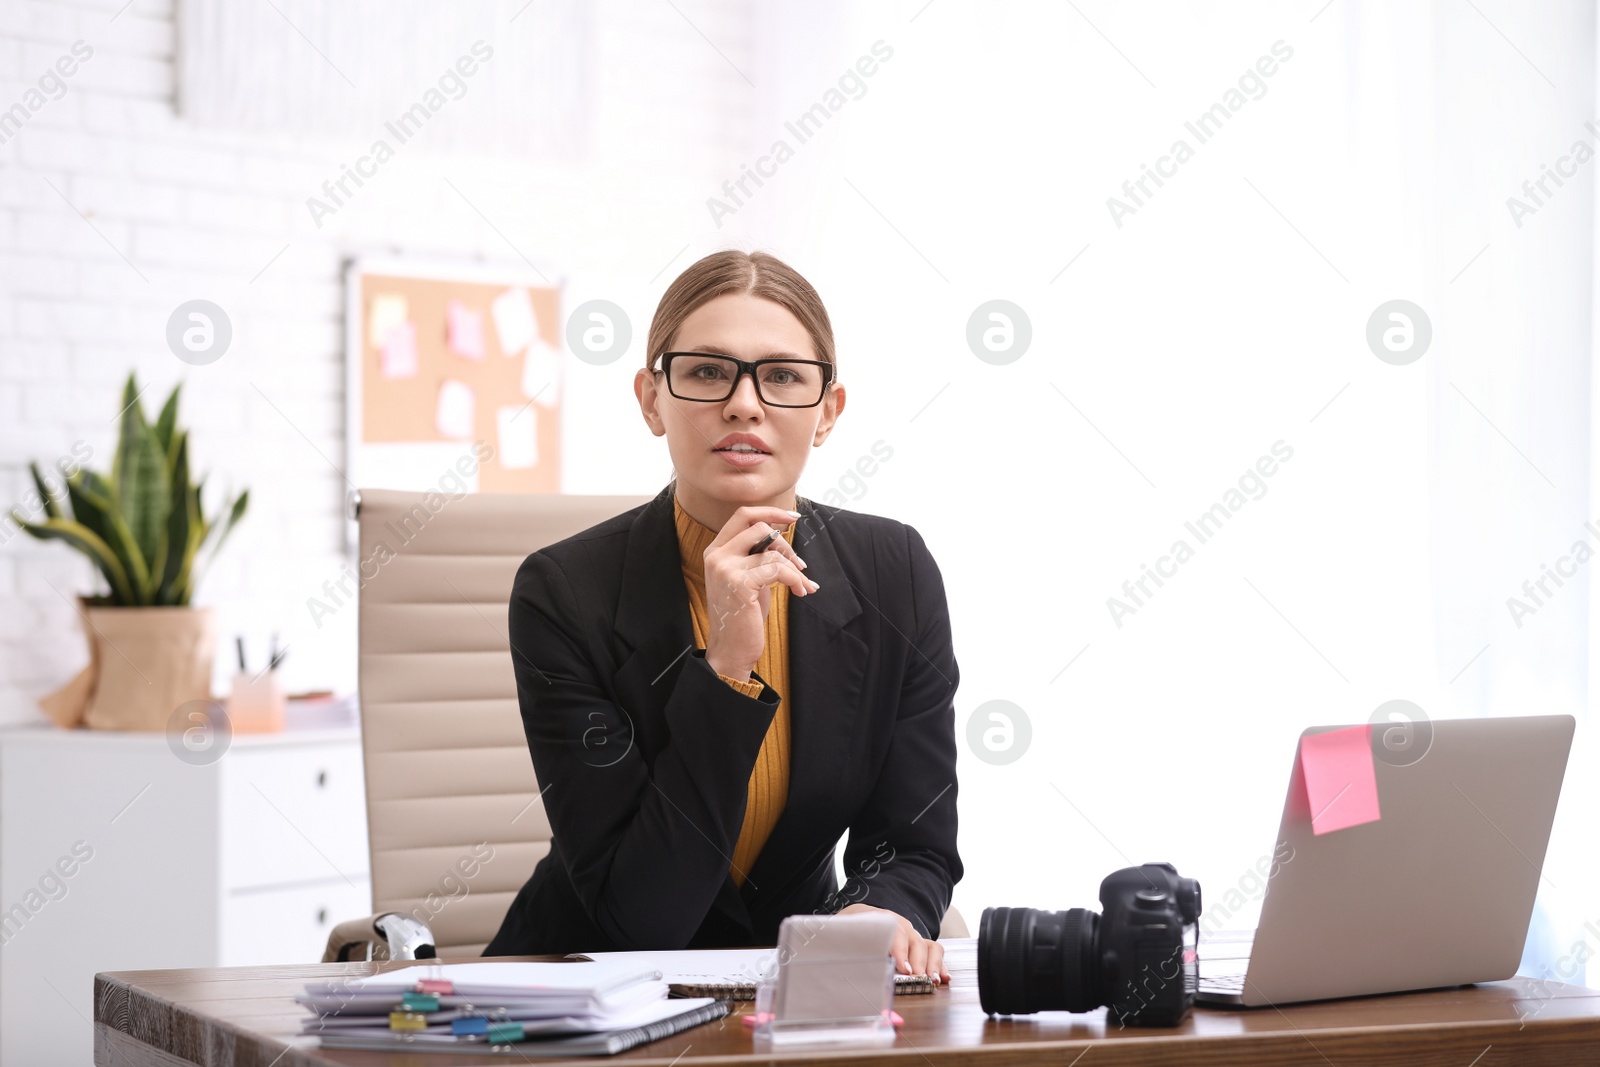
point(732, 271)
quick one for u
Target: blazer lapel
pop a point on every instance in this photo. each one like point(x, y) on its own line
point(827, 672)
point(653, 604)
point(827, 669)
point(656, 632)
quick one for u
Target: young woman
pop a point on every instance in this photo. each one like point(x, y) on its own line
point(707, 722)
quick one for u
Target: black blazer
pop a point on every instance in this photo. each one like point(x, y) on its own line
point(644, 754)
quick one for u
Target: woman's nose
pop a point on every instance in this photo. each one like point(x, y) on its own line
point(744, 399)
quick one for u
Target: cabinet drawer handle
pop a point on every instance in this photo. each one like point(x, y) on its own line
point(322, 916)
point(322, 779)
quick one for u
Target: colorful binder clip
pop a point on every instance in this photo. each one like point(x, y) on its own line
point(406, 1020)
point(419, 1002)
point(503, 1033)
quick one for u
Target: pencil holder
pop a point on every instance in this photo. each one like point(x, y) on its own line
point(256, 704)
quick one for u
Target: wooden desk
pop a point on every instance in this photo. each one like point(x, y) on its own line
point(245, 1016)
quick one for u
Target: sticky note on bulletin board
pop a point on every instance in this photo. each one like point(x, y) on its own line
point(442, 375)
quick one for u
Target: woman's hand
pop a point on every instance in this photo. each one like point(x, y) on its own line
point(913, 953)
point(738, 590)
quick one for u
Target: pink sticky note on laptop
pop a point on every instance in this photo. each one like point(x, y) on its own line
point(1341, 786)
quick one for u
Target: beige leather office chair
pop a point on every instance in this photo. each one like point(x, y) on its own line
point(454, 819)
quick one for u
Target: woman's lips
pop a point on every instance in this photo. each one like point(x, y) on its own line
point(743, 459)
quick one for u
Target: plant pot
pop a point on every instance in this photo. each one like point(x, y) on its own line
point(144, 664)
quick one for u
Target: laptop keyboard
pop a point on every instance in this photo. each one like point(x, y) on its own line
point(1222, 983)
point(1224, 959)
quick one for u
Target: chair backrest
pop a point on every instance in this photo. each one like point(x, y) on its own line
point(453, 812)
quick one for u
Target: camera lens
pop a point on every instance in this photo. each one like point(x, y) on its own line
point(1031, 960)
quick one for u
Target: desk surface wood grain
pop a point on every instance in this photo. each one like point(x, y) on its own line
point(245, 1016)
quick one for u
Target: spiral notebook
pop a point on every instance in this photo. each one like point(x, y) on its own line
point(738, 990)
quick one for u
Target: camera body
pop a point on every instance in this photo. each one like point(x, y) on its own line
point(1147, 957)
point(1136, 958)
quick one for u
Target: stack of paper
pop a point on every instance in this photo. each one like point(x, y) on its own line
point(544, 1009)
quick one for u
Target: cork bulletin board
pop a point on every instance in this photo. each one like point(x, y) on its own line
point(444, 359)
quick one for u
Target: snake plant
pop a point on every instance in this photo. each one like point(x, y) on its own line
point(143, 527)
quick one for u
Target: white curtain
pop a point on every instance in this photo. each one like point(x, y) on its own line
point(1176, 345)
point(1511, 401)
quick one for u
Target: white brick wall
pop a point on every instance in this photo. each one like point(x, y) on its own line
point(200, 213)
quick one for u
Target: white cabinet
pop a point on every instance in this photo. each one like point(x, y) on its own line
point(115, 854)
point(286, 814)
point(260, 927)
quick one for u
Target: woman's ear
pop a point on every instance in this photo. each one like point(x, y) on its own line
point(644, 387)
point(832, 406)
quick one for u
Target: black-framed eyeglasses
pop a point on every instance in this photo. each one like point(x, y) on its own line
point(780, 383)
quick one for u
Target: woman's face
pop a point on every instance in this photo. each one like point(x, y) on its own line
point(748, 327)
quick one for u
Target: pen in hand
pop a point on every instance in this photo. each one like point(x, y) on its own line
point(761, 545)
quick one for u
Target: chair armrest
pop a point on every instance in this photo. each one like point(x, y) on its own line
point(385, 936)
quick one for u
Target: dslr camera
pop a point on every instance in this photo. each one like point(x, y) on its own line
point(1136, 956)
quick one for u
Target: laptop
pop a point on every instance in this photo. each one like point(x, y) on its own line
point(1437, 892)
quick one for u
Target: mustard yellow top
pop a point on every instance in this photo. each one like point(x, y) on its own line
point(769, 779)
